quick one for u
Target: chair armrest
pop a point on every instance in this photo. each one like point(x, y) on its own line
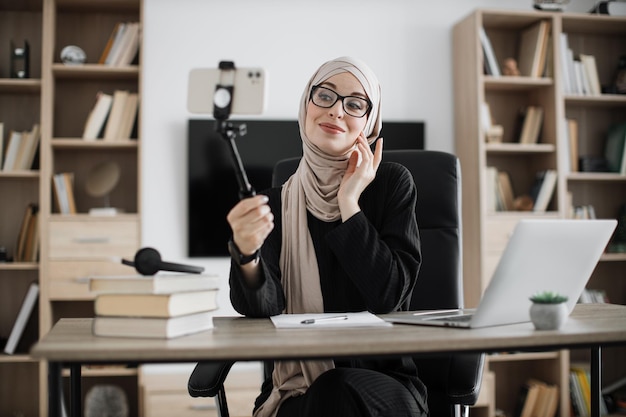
point(207, 378)
point(456, 378)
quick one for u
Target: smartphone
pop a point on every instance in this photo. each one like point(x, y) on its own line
point(249, 96)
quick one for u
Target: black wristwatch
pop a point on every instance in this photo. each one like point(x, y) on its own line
point(238, 257)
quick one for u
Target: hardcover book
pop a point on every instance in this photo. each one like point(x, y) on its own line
point(155, 305)
point(28, 305)
point(153, 284)
point(151, 327)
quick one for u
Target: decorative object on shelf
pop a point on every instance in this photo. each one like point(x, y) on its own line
point(73, 55)
point(20, 61)
point(550, 5)
point(509, 67)
point(101, 180)
point(548, 310)
point(106, 400)
point(3, 254)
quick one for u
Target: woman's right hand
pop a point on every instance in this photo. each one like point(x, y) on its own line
point(251, 221)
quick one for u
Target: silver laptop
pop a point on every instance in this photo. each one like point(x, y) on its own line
point(542, 254)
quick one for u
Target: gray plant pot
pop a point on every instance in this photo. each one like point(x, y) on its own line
point(548, 316)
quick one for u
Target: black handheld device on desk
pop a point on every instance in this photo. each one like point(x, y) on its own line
point(229, 90)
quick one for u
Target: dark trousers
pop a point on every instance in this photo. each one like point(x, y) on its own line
point(353, 392)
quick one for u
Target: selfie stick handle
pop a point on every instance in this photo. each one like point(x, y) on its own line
point(222, 101)
point(229, 133)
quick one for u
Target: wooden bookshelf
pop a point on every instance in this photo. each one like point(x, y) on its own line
point(59, 97)
point(487, 232)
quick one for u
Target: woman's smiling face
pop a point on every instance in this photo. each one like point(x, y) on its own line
point(331, 129)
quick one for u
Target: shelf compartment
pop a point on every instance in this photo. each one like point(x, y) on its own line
point(83, 157)
point(69, 120)
point(19, 383)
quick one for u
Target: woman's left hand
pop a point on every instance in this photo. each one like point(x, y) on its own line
point(361, 171)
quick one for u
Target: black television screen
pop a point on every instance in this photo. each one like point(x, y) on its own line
point(212, 184)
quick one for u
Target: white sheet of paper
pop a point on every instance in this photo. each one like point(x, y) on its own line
point(328, 320)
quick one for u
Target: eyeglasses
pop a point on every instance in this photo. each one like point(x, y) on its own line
point(352, 105)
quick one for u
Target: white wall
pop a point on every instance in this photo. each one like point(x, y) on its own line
point(406, 42)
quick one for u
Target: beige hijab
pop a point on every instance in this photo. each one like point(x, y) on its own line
point(312, 188)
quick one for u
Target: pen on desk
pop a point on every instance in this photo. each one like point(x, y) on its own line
point(323, 319)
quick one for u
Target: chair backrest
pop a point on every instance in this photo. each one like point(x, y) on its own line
point(437, 176)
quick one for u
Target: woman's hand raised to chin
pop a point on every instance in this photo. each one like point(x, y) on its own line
point(361, 171)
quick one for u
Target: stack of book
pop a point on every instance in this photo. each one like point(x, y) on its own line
point(537, 399)
point(113, 116)
point(164, 305)
point(122, 46)
point(21, 149)
point(580, 392)
point(579, 71)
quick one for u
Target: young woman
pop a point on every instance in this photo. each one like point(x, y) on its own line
point(339, 236)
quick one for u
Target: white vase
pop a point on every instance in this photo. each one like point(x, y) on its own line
point(548, 316)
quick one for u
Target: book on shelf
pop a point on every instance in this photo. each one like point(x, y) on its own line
point(584, 212)
point(28, 238)
point(111, 51)
point(63, 190)
point(94, 125)
point(591, 295)
point(590, 72)
point(533, 48)
point(491, 63)
point(13, 145)
point(529, 392)
point(109, 44)
point(28, 148)
point(580, 391)
point(571, 130)
point(505, 188)
point(155, 305)
point(19, 326)
point(564, 57)
point(153, 327)
point(543, 189)
point(537, 399)
point(161, 283)
point(122, 45)
point(531, 125)
point(130, 45)
point(129, 116)
point(111, 130)
point(500, 195)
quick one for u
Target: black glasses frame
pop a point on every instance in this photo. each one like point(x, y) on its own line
point(342, 98)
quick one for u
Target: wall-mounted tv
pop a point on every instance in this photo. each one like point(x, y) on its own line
point(212, 184)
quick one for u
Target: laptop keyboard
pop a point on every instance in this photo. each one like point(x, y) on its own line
point(461, 319)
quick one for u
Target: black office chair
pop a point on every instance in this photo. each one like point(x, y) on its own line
point(454, 380)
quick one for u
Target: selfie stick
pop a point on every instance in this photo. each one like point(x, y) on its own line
point(222, 102)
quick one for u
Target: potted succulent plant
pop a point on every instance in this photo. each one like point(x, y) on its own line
point(548, 310)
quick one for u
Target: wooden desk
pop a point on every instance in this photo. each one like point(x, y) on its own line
point(71, 343)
